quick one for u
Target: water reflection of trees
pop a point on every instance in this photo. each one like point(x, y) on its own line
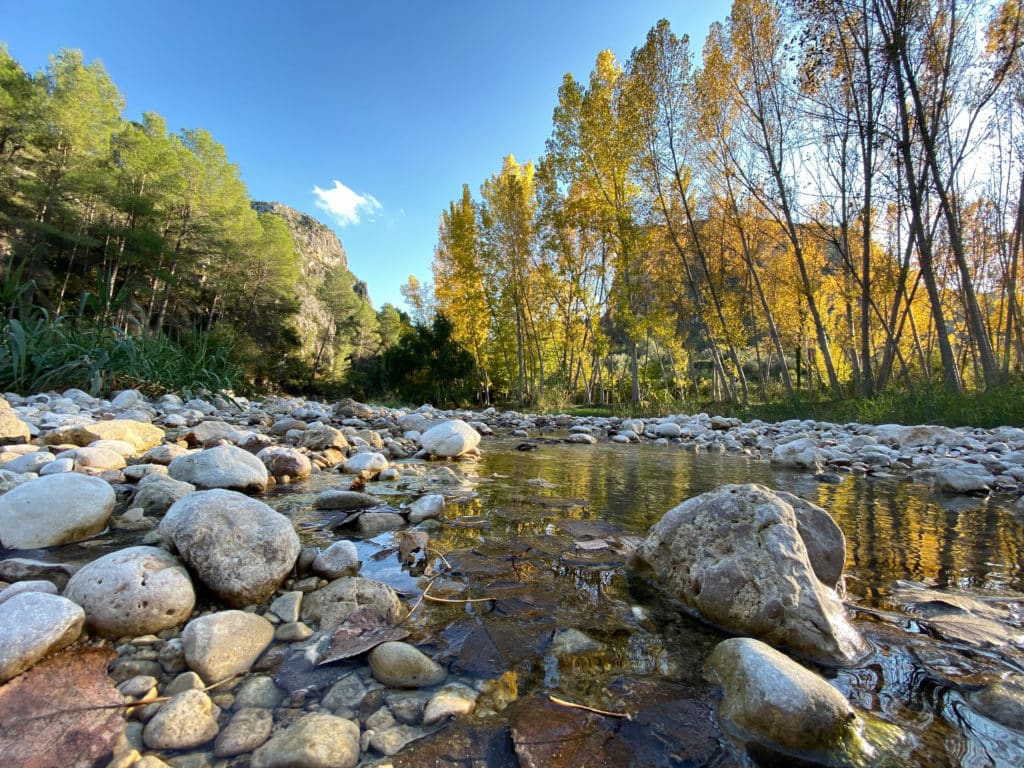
point(901, 531)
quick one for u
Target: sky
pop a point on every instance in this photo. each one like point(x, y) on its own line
point(369, 116)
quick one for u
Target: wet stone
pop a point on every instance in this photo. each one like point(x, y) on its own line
point(247, 730)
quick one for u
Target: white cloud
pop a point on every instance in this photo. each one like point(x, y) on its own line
point(346, 205)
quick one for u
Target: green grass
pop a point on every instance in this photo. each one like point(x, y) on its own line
point(40, 353)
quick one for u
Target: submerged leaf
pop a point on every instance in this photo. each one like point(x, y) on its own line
point(362, 631)
point(64, 711)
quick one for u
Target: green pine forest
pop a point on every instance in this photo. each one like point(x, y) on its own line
point(818, 213)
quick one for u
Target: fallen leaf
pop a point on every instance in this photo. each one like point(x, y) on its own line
point(64, 711)
point(410, 543)
point(362, 631)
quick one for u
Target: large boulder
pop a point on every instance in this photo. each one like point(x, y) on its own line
point(140, 434)
point(771, 700)
point(225, 466)
point(34, 625)
point(54, 510)
point(131, 592)
point(450, 439)
point(238, 546)
point(739, 557)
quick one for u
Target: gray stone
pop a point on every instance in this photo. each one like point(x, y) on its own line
point(293, 632)
point(451, 701)
point(95, 458)
point(224, 644)
point(666, 429)
point(736, 557)
point(329, 607)
point(29, 462)
point(315, 740)
point(346, 694)
point(134, 591)
point(801, 453)
point(34, 585)
point(186, 721)
point(391, 741)
point(429, 507)
point(372, 523)
point(365, 462)
point(450, 439)
point(34, 625)
point(54, 510)
point(186, 681)
point(225, 466)
point(247, 730)
point(286, 607)
point(400, 665)
point(322, 438)
point(22, 569)
point(1002, 701)
point(283, 461)
point(768, 698)
point(259, 691)
point(338, 498)
point(238, 546)
point(337, 560)
point(156, 493)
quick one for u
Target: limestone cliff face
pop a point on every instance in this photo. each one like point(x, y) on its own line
point(323, 256)
point(321, 249)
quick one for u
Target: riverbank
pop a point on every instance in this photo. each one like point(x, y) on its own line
point(290, 610)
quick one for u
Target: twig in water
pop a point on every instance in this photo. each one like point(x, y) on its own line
point(571, 705)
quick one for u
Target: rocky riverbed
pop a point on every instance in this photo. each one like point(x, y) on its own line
point(142, 526)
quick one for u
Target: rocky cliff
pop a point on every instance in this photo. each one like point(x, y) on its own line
point(324, 269)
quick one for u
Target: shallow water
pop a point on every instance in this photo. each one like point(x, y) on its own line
point(528, 541)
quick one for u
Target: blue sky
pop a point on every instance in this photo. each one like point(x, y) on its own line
point(378, 110)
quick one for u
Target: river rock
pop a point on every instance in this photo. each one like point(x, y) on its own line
point(284, 461)
point(801, 453)
point(187, 720)
point(429, 507)
point(323, 437)
point(770, 699)
point(35, 585)
point(960, 480)
point(1002, 701)
point(95, 457)
point(400, 665)
point(337, 560)
point(34, 625)
point(29, 462)
point(220, 645)
point(155, 493)
point(450, 439)
point(210, 433)
point(339, 498)
point(330, 606)
point(368, 461)
point(239, 547)
point(140, 434)
point(315, 740)
point(131, 592)
point(23, 569)
point(247, 730)
point(225, 466)
point(666, 429)
point(54, 510)
point(12, 429)
point(451, 701)
point(735, 556)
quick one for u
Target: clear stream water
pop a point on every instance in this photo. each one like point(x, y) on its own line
point(525, 538)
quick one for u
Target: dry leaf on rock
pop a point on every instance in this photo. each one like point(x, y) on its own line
point(64, 711)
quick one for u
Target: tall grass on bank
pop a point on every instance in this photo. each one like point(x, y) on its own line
point(39, 353)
